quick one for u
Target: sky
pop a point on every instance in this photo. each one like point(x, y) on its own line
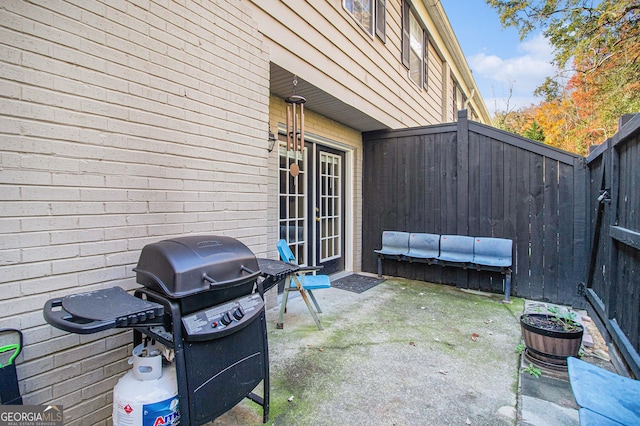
point(497, 57)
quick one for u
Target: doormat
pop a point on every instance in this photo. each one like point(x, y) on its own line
point(356, 283)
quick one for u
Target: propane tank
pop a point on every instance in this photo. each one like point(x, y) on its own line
point(148, 394)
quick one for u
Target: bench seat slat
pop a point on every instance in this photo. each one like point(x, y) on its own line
point(492, 251)
point(456, 248)
point(424, 246)
point(394, 243)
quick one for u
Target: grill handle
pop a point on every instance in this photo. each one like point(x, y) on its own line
point(233, 282)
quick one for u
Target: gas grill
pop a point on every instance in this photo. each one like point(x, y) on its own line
point(202, 297)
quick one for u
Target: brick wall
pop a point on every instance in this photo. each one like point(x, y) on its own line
point(121, 123)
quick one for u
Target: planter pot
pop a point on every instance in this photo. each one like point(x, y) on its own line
point(547, 343)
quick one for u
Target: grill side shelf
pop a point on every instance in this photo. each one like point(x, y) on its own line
point(100, 310)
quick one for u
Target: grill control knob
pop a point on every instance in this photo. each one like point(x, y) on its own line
point(238, 313)
point(226, 318)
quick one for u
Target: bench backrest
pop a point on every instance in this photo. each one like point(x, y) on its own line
point(492, 251)
point(456, 248)
point(424, 246)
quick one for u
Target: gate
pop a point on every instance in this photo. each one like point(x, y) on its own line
point(613, 279)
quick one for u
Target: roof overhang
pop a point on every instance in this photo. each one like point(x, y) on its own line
point(321, 102)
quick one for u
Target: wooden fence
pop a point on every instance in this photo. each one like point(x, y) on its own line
point(466, 178)
point(613, 278)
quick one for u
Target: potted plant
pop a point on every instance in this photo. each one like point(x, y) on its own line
point(551, 337)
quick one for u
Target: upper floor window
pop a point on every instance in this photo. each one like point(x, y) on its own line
point(369, 13)
point(362, 12)
point(415, 51)
point(454, 101)
point(414, 45)
point(458, 98)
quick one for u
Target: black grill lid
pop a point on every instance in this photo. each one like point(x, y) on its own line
point(183, 266)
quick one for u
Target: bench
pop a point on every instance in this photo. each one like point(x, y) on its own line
point(605, 398)
point(480, 253)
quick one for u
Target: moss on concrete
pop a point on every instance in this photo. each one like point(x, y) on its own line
point(384, 352)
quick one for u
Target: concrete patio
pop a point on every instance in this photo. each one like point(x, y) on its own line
point(405, 353)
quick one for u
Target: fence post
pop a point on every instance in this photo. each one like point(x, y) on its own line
point(580, 230)
point(462, 173)
point(613, 182)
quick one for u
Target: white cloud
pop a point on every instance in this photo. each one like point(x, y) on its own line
point(522, 73)
point(538, 47)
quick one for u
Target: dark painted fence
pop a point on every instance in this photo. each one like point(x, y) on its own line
point(613, 279)
point(470, 179)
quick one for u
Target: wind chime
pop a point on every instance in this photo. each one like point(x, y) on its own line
point(295, 120)
point(295, 125)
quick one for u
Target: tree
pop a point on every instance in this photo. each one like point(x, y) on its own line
point(558, 119)
point(549, 90)
point(594, 31)
point(534, 131)
point(601, 40)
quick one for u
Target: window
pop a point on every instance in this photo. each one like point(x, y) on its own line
point(415, 51)
point(458, 98)
point(364, 12)
point(454, 101)
point(414, 46)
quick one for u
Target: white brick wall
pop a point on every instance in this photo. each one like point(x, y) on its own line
point(121, 123)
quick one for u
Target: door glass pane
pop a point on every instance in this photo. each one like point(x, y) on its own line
point(330, 201)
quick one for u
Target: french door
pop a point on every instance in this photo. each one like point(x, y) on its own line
point(312, 205)
point(329, 209)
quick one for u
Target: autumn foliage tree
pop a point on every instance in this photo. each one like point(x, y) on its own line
point(601, 40)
